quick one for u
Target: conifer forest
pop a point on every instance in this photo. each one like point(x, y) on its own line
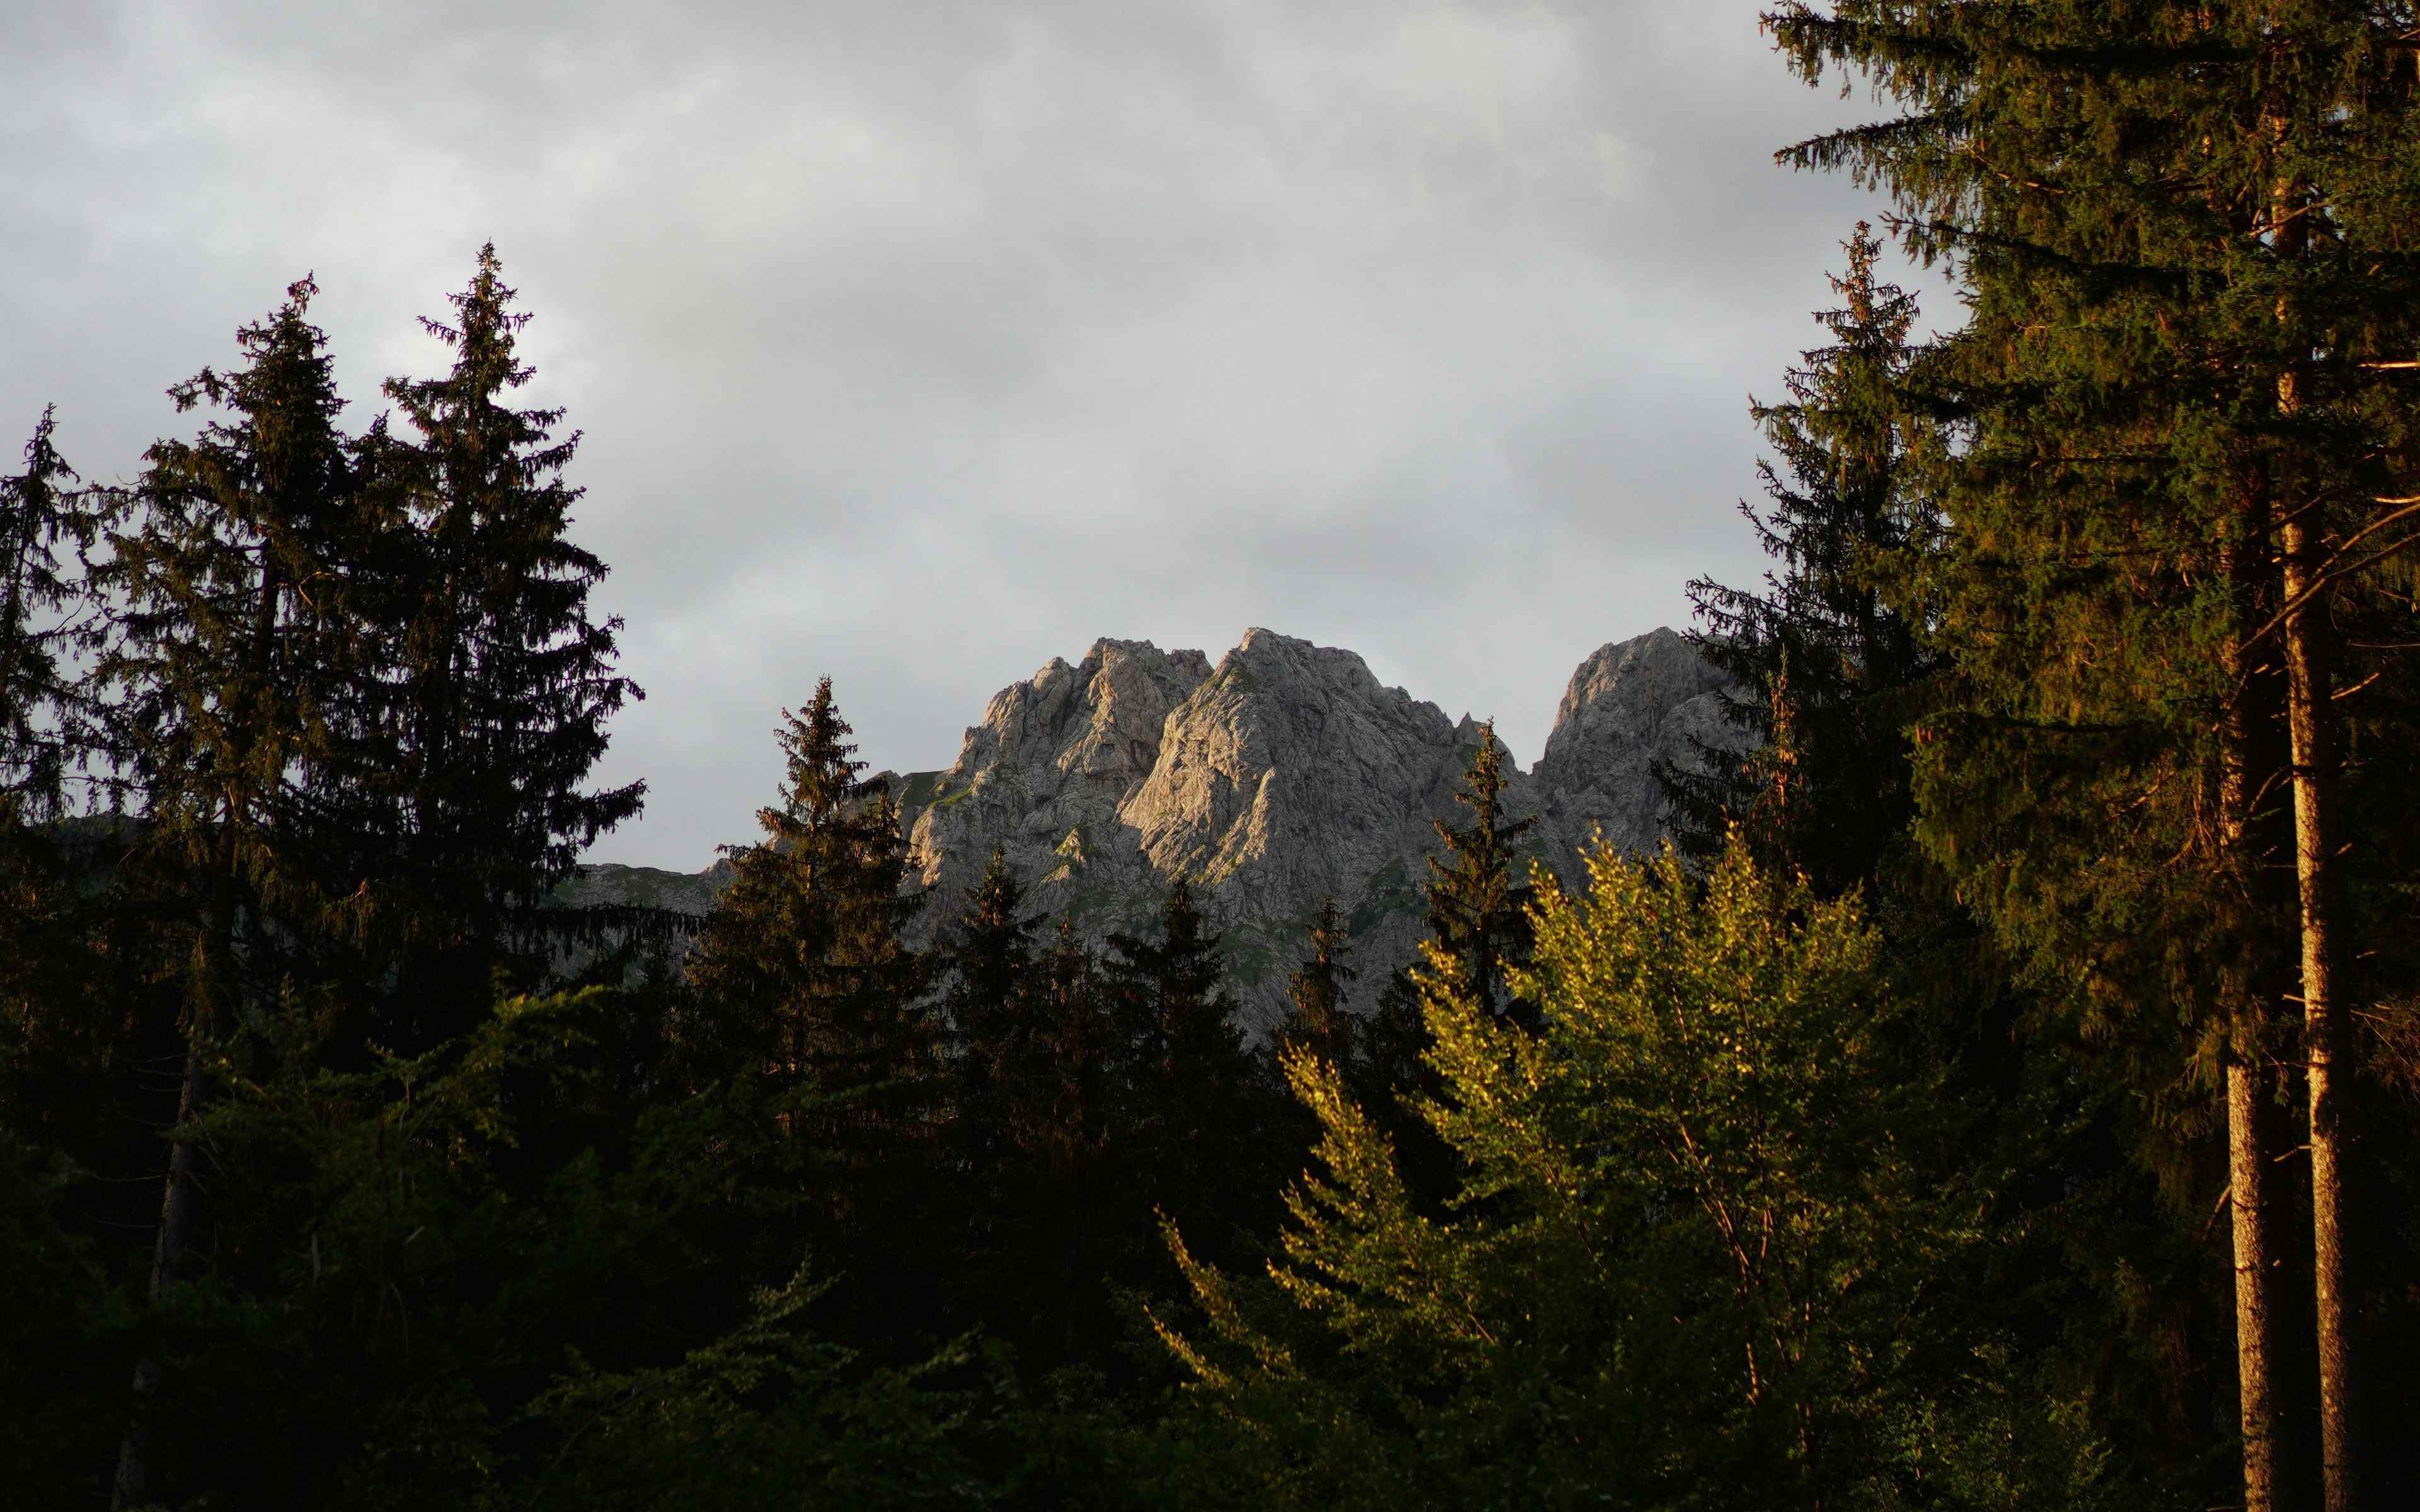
point(2001, 1091)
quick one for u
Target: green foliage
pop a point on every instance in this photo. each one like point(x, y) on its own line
point(1319, 1022)
point(482, 1276)
point(801, 962)
point(44, 614)
point(67, 1333)
point(1475, 905)
point(493, 710)
point(1826, 661)
point(1693, 1255)
point(766, 1413)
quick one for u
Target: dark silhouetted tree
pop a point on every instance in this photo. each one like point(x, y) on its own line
point(45, 615)
point(1824, 661)
point(238, 630)
point(504, 678)
point(1319, 1021)
point(1478, 908)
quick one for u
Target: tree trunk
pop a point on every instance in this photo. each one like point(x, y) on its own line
point(2249, 762)
point(2311, 718)
point(2249, 1160)
point(2310, 727)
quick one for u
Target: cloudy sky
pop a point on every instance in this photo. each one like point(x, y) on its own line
point(917, 343)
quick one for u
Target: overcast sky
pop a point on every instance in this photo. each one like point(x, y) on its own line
point(918, 343)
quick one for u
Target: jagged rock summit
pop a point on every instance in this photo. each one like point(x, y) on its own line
point(1284, 775)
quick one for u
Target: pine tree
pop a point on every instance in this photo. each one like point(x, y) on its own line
point(1063, 1087)
point(1184, 1126)
point(1478, 913)
point(236, 630)
point(1320, 1022)
point(988, 965)
point(1826, 662)
point(801, 965)
point(43, 613)
point(505, 679)
point(2184, 446)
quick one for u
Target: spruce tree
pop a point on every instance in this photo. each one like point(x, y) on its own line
point(1184, 1126)
point(987, 961)
point(1478, 912)
point(1064, 1086)
point(801, 965)
point(1176, 1020)
point(47, 978)
point(44, 611)
point(1319, 1021)
point(2182, 448)
point(505, 678)
point(802, 987)
point(1825, 661)
point(237, 629)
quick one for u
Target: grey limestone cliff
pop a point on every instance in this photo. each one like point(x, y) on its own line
point(1285, 775)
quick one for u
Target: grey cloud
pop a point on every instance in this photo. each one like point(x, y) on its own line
point(919, 343)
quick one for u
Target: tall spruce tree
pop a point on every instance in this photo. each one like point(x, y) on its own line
point(64, 1013)
point(46, 618)
point(2183, 452)
point(237, 625)
point(506, 679)
point(802, 986)
point(1176, 1019)
point(1827, 664)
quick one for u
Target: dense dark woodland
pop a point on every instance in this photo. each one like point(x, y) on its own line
point(2004, 1096)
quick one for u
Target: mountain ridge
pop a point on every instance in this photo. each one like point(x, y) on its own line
point(1282, 775)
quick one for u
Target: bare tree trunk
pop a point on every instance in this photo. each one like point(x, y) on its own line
point(2249, 1160)
point(2310, 719)
point(2249, 762)
point(2310, 727)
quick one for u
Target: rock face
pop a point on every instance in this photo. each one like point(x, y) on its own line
point(1283, 776)
point(1631, 704)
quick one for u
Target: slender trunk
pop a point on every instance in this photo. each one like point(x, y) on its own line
point(2310, 725)
point(2248, 1162)
point(2248, 762)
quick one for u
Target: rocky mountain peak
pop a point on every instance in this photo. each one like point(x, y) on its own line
point(1281, 777)
point(1630, 705)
